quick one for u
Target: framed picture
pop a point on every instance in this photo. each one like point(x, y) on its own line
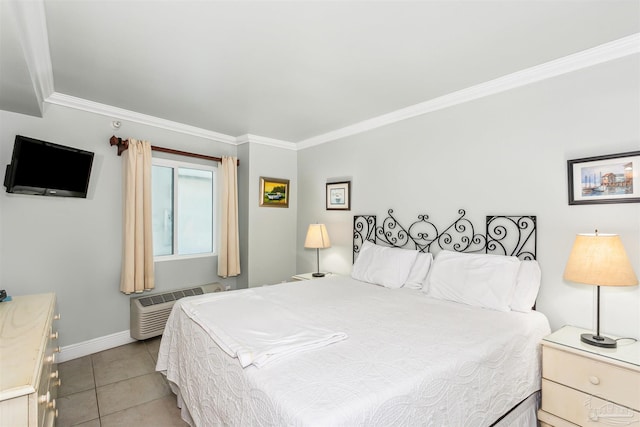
point(274, 192)
point(614, 178)
point(339, 196)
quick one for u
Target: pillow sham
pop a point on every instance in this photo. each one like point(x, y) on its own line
point(527, 286)
point(480, 280)
point(419, 271)
point(383, 265)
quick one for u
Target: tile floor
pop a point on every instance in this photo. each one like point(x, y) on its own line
point(116, 387)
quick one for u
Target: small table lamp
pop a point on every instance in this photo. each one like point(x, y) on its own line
point(317, 238)
point(599, 259)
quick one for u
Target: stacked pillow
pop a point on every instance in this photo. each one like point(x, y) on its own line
point(381, 265)
point(527, 286)
point(496, 282)
point(476, 279)
point(419, 271)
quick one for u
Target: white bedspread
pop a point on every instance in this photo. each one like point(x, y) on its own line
point(409, 360)
point(266, 330)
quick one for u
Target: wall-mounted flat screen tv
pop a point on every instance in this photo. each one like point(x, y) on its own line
point(47, 169)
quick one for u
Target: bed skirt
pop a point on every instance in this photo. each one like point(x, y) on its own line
point(525, 414)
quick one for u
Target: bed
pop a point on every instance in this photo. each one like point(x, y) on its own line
point(376, 354)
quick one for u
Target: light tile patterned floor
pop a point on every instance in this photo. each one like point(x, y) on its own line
point(117, 387)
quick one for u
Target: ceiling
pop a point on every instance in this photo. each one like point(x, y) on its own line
point(290, 71)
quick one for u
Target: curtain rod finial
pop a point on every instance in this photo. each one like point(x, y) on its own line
point(122, 145)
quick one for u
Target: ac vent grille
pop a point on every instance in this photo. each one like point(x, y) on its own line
point(149, 314)
point(170, 296)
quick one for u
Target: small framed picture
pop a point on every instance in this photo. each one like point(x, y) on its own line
point(274, 192)
point(613, 178)
point(339, 196)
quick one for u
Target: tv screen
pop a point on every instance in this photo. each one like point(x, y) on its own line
point(48, 169)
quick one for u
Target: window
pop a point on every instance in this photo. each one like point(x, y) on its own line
point(183, 209)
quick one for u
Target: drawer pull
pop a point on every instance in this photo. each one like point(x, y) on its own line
point(45, 398)
point(56, 350)
point(51, 359)
point(58, 383)
point(52, 404)
point(594, 380)
point(54, 375)
point(56, 317)
point(54, 335)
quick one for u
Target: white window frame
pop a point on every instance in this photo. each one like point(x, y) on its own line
point(175, 164)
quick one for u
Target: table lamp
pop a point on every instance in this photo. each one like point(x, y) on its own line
point(600, 260)
point(317, 238)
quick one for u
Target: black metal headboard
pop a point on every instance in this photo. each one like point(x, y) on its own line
point(504, 235)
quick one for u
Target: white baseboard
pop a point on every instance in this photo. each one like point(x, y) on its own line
point(95, 345)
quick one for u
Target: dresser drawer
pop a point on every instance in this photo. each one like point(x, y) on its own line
point(592, 377)
point(583, 409)
point(47, 390)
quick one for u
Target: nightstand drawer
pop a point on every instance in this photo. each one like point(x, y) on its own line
point(545, 419)
point(583, 409)
point(610, 382)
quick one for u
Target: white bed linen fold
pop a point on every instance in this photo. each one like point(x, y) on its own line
point(409, 360)
point(255, 330)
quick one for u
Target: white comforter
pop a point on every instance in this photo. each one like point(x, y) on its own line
point(408, 360)
point(266, 331)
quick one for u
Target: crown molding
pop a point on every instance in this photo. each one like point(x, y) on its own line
point(131, 116)
point(31, 27)
point(600, 54)
point(243, 139)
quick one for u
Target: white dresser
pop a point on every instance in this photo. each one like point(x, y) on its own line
point(28, 372)
point(584, 385)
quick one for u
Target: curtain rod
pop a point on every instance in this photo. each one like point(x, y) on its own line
point(123, 144)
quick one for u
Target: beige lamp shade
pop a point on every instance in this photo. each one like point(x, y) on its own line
point(317, 237)
point(599, 259)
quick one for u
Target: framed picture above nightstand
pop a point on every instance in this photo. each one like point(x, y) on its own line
point(587, 385)
point(308, 276)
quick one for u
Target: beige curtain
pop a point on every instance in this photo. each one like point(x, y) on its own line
point(137, 253)
point(229, 253)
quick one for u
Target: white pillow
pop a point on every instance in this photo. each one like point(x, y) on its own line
point(419, 271)
point(527, 286)
point(476, 279)
point(382, 265)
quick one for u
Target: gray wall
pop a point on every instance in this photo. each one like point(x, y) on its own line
point(244, 155)
point(73, 246)
point(504, 154)
point(271, 232)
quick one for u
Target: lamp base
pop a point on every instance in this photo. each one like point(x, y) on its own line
point(318, 275)
point(598, 340)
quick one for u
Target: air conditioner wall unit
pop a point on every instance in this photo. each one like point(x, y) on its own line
point(149, 313)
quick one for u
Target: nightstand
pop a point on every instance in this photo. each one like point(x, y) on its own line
point(308, 276)
point(586, 385)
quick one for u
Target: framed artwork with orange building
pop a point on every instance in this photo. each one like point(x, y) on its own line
point(613, 178)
